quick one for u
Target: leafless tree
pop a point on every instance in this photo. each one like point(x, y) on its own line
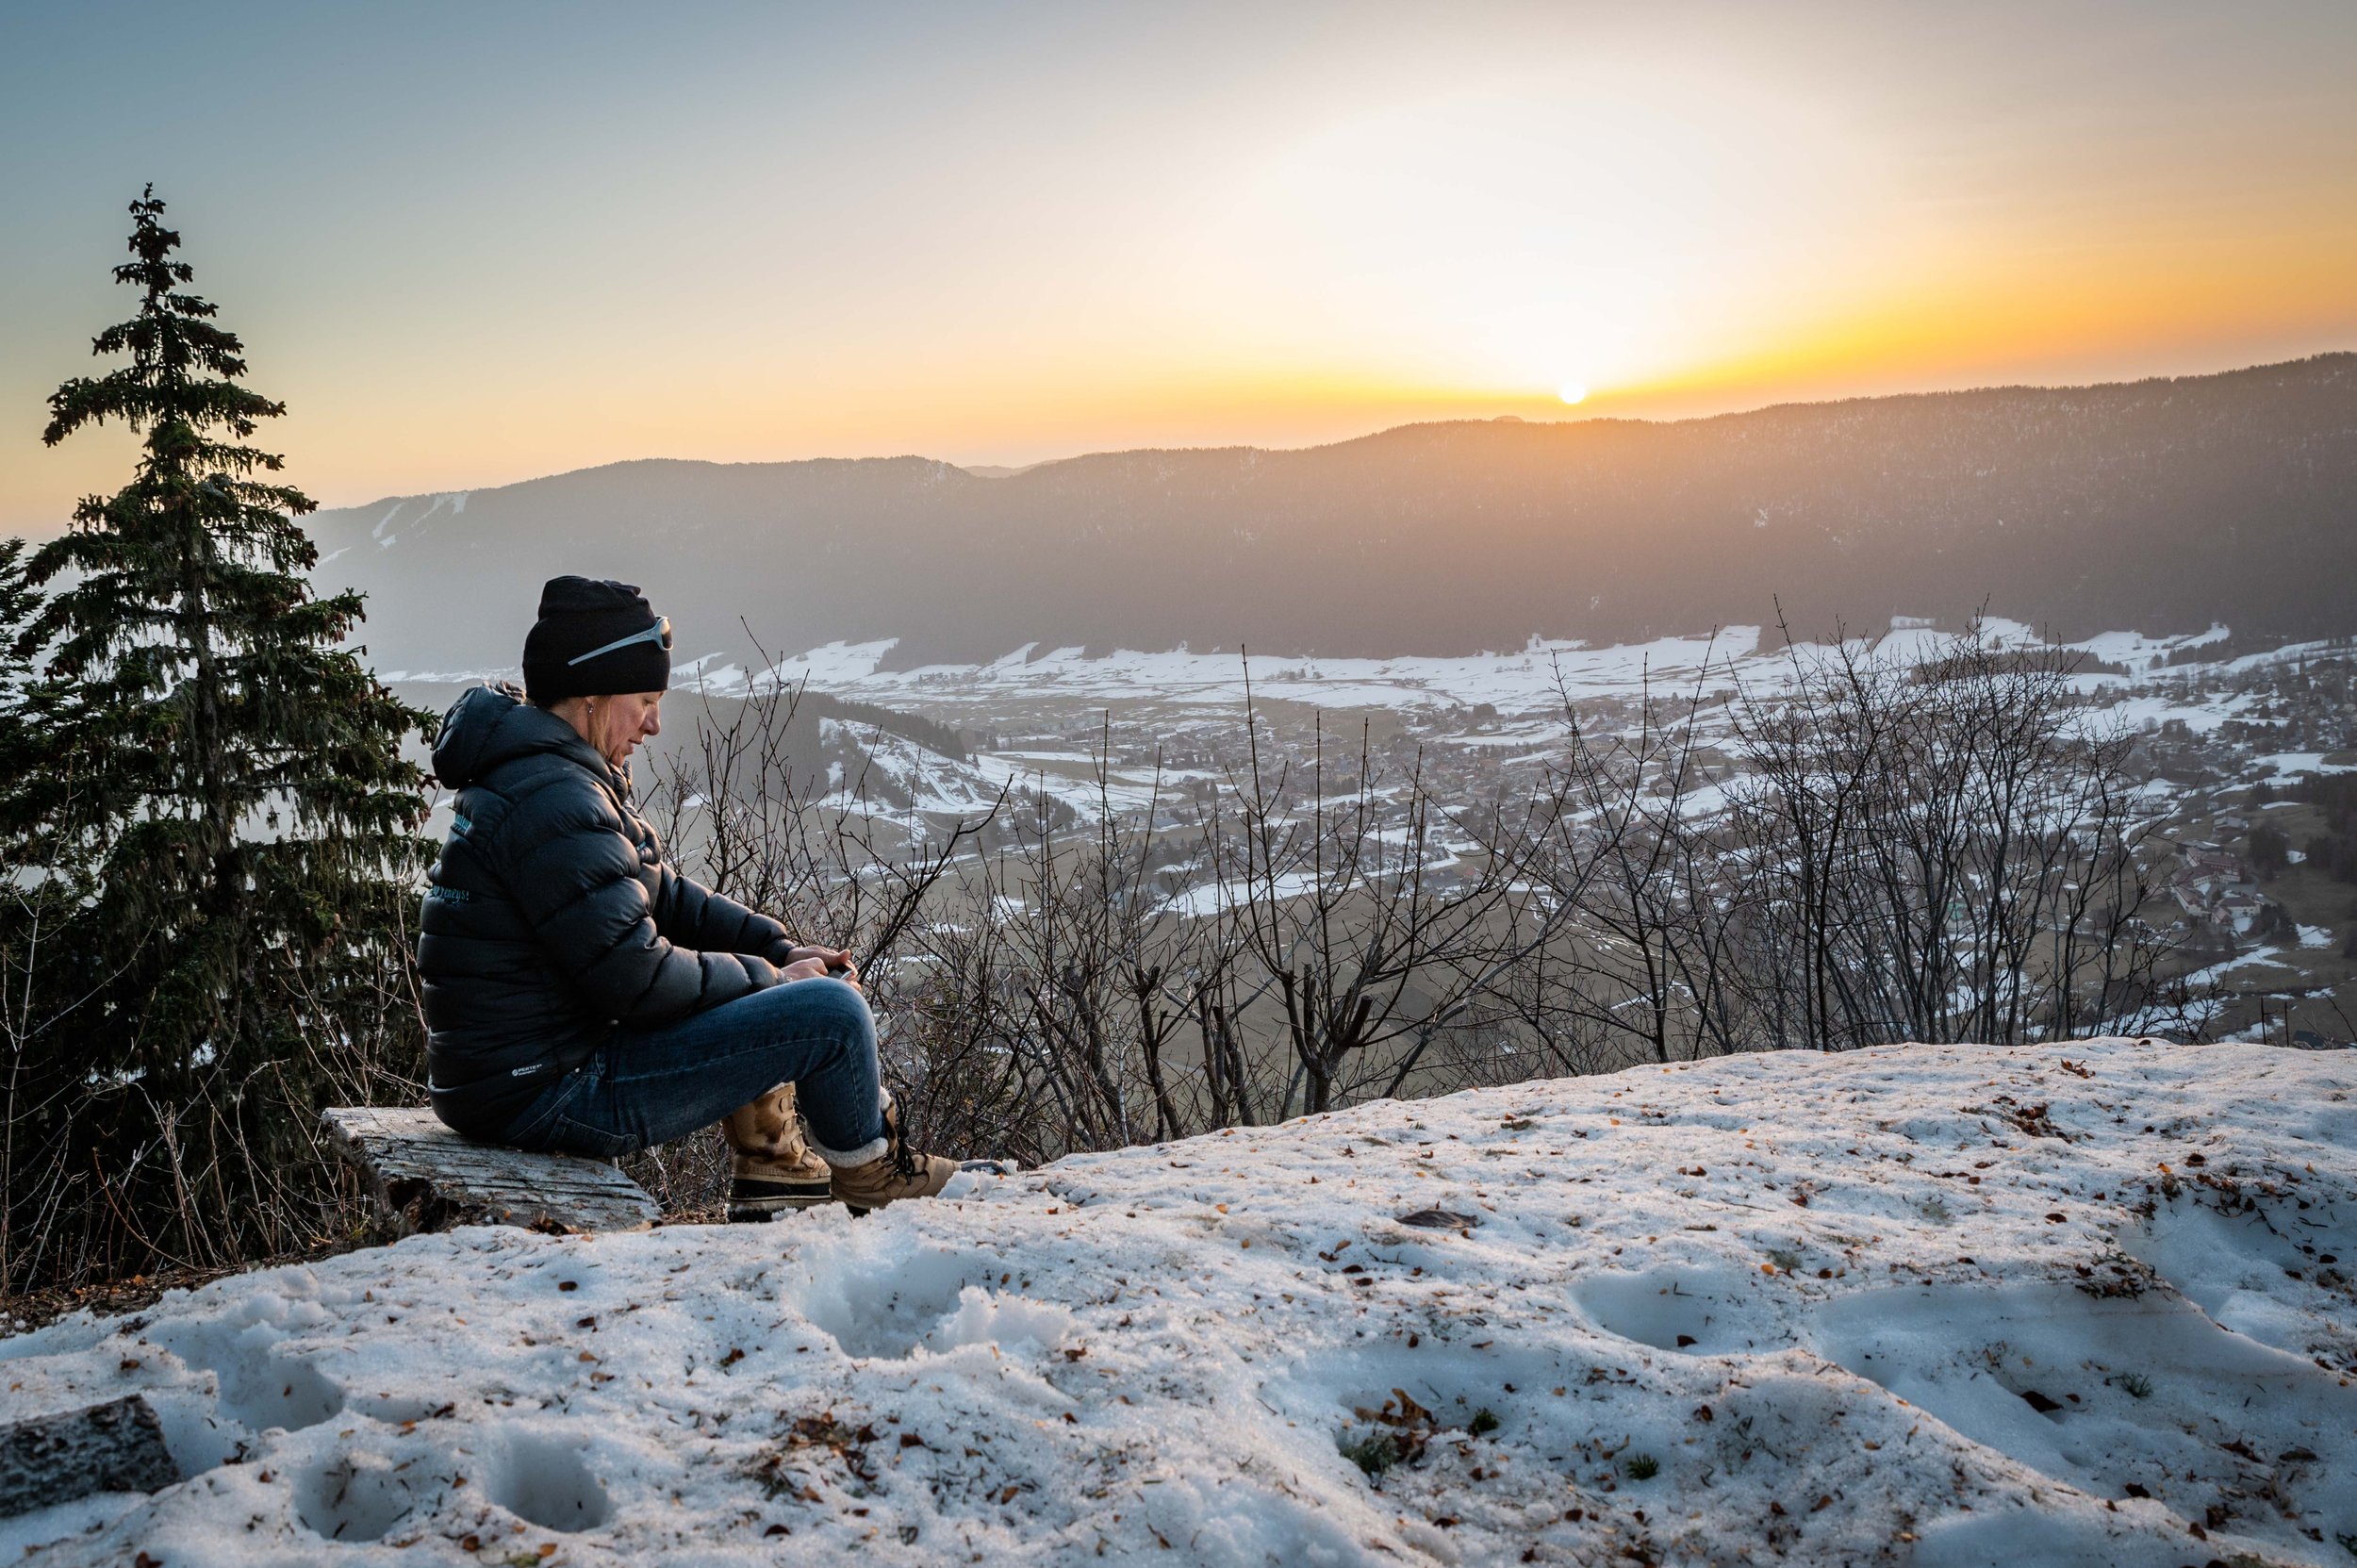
point(1862, 851)
point(1376, 918)
point(1953, 850)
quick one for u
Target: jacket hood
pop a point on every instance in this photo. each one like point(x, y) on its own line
point(492, 724)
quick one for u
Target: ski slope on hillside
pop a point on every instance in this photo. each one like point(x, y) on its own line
point(1932, 1305)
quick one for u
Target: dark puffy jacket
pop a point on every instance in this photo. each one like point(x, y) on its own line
point(553, 916)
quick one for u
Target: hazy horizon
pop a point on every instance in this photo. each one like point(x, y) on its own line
point(469, 248)
point(983, 469)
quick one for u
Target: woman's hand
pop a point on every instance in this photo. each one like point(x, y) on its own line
point(819, 963)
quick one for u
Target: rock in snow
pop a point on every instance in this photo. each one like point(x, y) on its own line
point(2087, 1304)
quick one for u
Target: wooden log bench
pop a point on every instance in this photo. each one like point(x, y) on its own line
point(425, 1176)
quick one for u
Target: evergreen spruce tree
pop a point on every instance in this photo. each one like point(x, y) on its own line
point(226, 787)
point(20, 745)
point(38, 899)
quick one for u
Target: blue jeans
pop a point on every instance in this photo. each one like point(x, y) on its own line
point(649, 1084)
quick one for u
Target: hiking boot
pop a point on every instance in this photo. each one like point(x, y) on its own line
point(866, 1179)
point(773, 1169)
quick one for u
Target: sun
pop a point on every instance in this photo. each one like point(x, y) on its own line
point(1572, 391)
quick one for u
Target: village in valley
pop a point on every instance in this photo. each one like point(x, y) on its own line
point(2247, 758)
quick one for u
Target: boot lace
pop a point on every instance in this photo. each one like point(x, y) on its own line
point(897, 1149)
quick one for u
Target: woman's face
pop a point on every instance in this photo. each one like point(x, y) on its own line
point(614, 725)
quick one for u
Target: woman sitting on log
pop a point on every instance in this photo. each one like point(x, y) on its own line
point(584, 996)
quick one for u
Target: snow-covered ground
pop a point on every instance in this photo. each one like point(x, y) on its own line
point(1525, 680)
point(1532, 680)
point(1528, 683)
point(2087, 1304)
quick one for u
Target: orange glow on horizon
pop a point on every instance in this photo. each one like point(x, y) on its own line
point(1521, 212)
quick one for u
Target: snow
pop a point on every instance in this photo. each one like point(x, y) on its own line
point(2288, 763)
point(931, 781)
point(2138, 653)
point(834, 665)
point(454, 499)
point(451, 677)
point(1936, 1305)
point(1526, 686)
point(1524, 680)
point(1021, 770)
point(2291, 653)
point(1206, 899)
point(1919, 644)
point(2213, 974)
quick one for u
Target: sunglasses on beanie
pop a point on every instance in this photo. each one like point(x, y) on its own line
point(660, 631)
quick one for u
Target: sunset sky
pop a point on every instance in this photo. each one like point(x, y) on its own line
point(471, 243)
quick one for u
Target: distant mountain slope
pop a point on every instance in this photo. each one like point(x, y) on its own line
point(2160, 504)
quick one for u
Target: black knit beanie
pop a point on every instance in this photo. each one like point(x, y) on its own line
point(580, 616)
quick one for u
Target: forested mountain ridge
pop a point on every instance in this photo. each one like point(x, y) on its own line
point(2162, 505)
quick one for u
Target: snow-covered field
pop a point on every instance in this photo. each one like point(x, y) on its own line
point(2087, 1304)
point(1532, 680)
point(1525, 680)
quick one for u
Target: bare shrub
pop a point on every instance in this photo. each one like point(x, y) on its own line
point(1861, 853)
